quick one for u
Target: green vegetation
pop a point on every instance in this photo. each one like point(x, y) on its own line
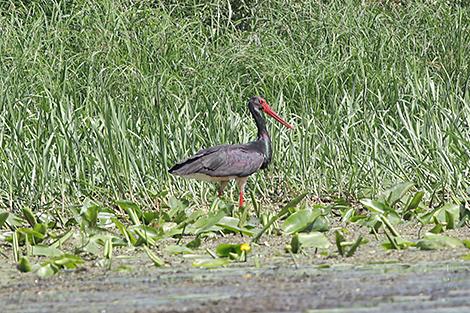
point(98, 99)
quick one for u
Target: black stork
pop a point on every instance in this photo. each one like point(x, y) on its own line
point(224, 163)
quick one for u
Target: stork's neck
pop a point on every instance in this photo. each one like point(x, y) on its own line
point(263, 136)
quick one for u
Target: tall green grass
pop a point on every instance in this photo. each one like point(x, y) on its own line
point(99, 98)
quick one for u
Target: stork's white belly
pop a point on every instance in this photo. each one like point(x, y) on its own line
point(205, 177)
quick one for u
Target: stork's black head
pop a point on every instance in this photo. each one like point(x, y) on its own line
point(257, 104)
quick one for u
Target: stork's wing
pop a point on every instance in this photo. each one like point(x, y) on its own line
point(221, 161)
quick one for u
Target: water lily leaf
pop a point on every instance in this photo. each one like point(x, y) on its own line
point(194, 244)
point(211, 263)
point(294, 246)
point(374, 206)
point(283, 212)
point(437, 229)
point(435, 242)
point(29, 216)
point(452, 215)
point(3, 218)
point(226, 249)
point(231, 224)
point(395, 193)
point(299, 220)
point(47, 270)
point(45, 250)
point(397, 243)
point(175, 249)
point(175, 204)
point(89, 214)
point(313, 240)
point(23, 265)
point(321, 224)
point(204, 224)
point(150, 216)
point(31, 232)
point(466, 243)
point(66, 260)
point(414, 203)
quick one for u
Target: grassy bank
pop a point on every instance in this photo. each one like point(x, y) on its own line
point(98, 99)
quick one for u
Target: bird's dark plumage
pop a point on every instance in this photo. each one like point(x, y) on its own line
point(222, 161)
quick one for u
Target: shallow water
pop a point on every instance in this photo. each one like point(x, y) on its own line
point(423, 287)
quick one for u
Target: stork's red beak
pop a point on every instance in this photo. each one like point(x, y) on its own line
point(267, 109)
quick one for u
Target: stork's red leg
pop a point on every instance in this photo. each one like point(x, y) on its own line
point(241, 181)
point(240, 201)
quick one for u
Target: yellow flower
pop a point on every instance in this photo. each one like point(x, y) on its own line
point(245, 247)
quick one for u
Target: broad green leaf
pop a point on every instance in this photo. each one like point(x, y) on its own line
point(283, 212)
point(93, 247)
point(90, 215)
point(3, 218)
point(374, 206)
point(23, 265)
point(435, 242)
point(129, 237)
point(451, 215)
point(231, 224)
point(204, 224)
point(321, 224)
point(313, 240)
point(437, 229)
point(45, 251)
point(295, 243)
point(395, 193)
point(194, 244)
point(47, 270)
point(31, 232)
point(389, 226)
point(175, 249)
point(397, 243)
point(211, 263)
point(175, 204)
point(29, 216)
point(225, 249)
point(41, 228)
point(414, 203)
point(67, 260)
point(299, 220)
point(466, 243)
